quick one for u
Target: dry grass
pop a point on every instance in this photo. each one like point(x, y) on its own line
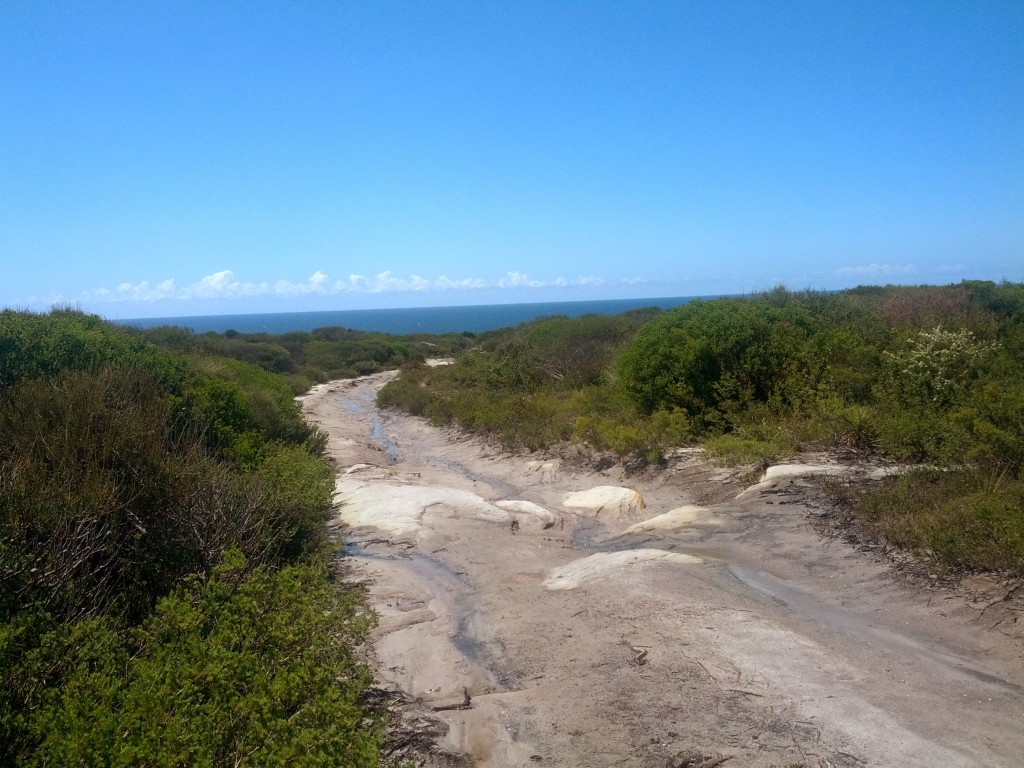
point(966, 518)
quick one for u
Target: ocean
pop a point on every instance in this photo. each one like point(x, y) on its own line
point(477, 318)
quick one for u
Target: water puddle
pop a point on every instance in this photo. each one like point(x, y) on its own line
point(377, 426)
point(377, 433)
point(447, 586)
point(856, 625)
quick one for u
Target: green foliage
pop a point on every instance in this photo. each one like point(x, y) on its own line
point(301, 358)
point(713, 359)
point(610, 421)
point(34, 346)
point(523, 386)
point(250, 667)
point(104, 505)
point(409, 391)
point(126, 472)
point(846, 425)
point(574, 352)
point(921, 434)
point(82, 465)
point(266, 401)
point(936, 366)
point(930, 374)
point(963, 518)
point(993, 421)
point(297, 489)
point(734, 449)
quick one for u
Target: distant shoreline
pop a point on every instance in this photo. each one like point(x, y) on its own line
point(432, 320)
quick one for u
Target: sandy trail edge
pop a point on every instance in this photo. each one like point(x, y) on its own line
point(762, 641)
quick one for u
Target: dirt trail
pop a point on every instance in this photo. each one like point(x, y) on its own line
point(674, 620)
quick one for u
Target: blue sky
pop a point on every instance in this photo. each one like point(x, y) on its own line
point(179, 158)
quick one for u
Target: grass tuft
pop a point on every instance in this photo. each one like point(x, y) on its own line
point(968, 518)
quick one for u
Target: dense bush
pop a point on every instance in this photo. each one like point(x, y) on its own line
point(714, 359)
point(127, 636)
point(535, 385)
point(302, 359)
point(106, 502)
point(608, 420)
point(35, 346)
point(961, 518)
point(250, 667)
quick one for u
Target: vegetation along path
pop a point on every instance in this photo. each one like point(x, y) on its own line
point(538, 613)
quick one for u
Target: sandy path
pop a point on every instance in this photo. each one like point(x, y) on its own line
point(709, 619)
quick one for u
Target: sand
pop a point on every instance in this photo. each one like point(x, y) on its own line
point(601, 619)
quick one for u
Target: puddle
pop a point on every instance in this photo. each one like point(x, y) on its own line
point(592, 535)
point(446, 585)
point(857, 626)
point(377, 433)
point(377, 426)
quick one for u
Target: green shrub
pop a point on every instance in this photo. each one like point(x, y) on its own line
point(847, 425)
point(719, 356)
point(252, 667)
point(104, 506)
point(254, 398)
point(409, 391)
point(297, 490)
point(300, 384)
point(126, 470)
point(608, 420)
point(736, 448)
point(935, 367)
point(38, 346)
point(88, 494)
point(923, 434)
point(967, 518)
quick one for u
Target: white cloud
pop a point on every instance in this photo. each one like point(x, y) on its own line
point(877, 269)
point(385, 282)
point(222, 285)
point(517, 280)
point(354, 283)
point(225, 284)
point(317, 283)
point(143, 291)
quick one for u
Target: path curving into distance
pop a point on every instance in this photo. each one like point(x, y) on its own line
point(635, 621)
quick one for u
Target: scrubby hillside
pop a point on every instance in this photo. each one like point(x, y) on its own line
point(303, 358)
point(927, 375)
point(165, 590)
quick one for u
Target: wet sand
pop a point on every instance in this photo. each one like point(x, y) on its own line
point(597, 619)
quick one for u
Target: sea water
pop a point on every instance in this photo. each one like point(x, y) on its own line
point(473, 319)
